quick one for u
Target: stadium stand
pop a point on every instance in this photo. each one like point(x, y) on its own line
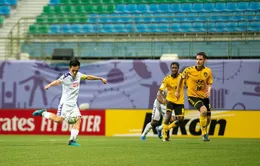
point(146, 16)
point(137, 28)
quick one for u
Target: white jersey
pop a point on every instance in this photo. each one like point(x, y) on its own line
point(70, 88)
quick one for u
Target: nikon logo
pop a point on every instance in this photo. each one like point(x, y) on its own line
point(191, 126)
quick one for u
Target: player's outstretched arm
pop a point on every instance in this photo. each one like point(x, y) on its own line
point(91, 77)
point(180, 82)
point(53, 83)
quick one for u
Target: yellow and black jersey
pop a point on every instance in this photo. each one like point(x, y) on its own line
point(170, 83)
point(197, 81)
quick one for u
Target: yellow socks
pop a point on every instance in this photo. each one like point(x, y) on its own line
point(165, 129)
point(172, 125)
point(203, 124)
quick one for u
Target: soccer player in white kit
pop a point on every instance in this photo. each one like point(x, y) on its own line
point(159, 109)
point(68, 107)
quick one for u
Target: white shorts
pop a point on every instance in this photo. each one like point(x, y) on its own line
point(66, 111)
point(159, 110)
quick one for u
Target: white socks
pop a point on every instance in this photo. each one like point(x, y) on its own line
point(73, 134)
point(46, 114)
point(160, 127)
point(148, 127)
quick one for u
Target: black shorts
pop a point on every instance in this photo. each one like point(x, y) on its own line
point(199, 102)
point(178, 108)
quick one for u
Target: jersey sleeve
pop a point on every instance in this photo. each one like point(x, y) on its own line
point(210, 79)
point(61, 79)
point(83, 76)
point(185, 73)
point(164, 84)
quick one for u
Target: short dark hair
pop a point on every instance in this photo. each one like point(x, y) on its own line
point(175, 63)
point(74, 62)
point(203, 54)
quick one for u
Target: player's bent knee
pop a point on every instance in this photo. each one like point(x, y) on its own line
point(203, 111)
point(59, 119)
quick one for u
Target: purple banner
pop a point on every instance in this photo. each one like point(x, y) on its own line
point(131, 83)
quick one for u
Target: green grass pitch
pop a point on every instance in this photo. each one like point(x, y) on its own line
point(53, 150)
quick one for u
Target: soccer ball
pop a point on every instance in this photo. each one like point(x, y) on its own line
point(72, 120)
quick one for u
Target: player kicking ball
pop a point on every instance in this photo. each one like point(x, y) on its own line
point(68, 109)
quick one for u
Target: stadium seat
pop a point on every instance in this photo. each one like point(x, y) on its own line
point(185, 27)
point(120, 8)
point(62, 19)
point(82, 18)
point(208, 7)
point(242, 6)
point(160, 17)
point(198, 27)
point(48, 9)
point(8, 2)
point(54, 29)
point(65, 29)
point(75, 29)
point(163, 28)
point(141, 8)
point(176, 7)
point(219, 7)
point(203, 16)
point(55, 2)
point(254, 26)
point(93, 18)
point(153, 8)
point(126, 18)
point(127, 1)
point(5, 10)
point(96, 2)
point(108, 2)
point(107, 19)
point(231, 7)
point(1, 20)
point(148, 17)
point(88, 28)
point(164, 8)
point(106, 28)
point(152, 28)
point(119, 28)
point(63, 2)
point(233, 27)
point(254, 6)
point(141, 28)
point(220, 27)
point(131, 8)
point(78, 9)
point(58, 10)
point(234, 18)
point(138, 18)
point(130, 28)
point(197, 7)
point(33, 29)
point(186, 7)
point(175, 27)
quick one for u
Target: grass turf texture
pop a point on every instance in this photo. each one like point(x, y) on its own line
point(53, 150)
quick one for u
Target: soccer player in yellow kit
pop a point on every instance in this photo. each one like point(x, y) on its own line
point(199, 80)
point(175, 104)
